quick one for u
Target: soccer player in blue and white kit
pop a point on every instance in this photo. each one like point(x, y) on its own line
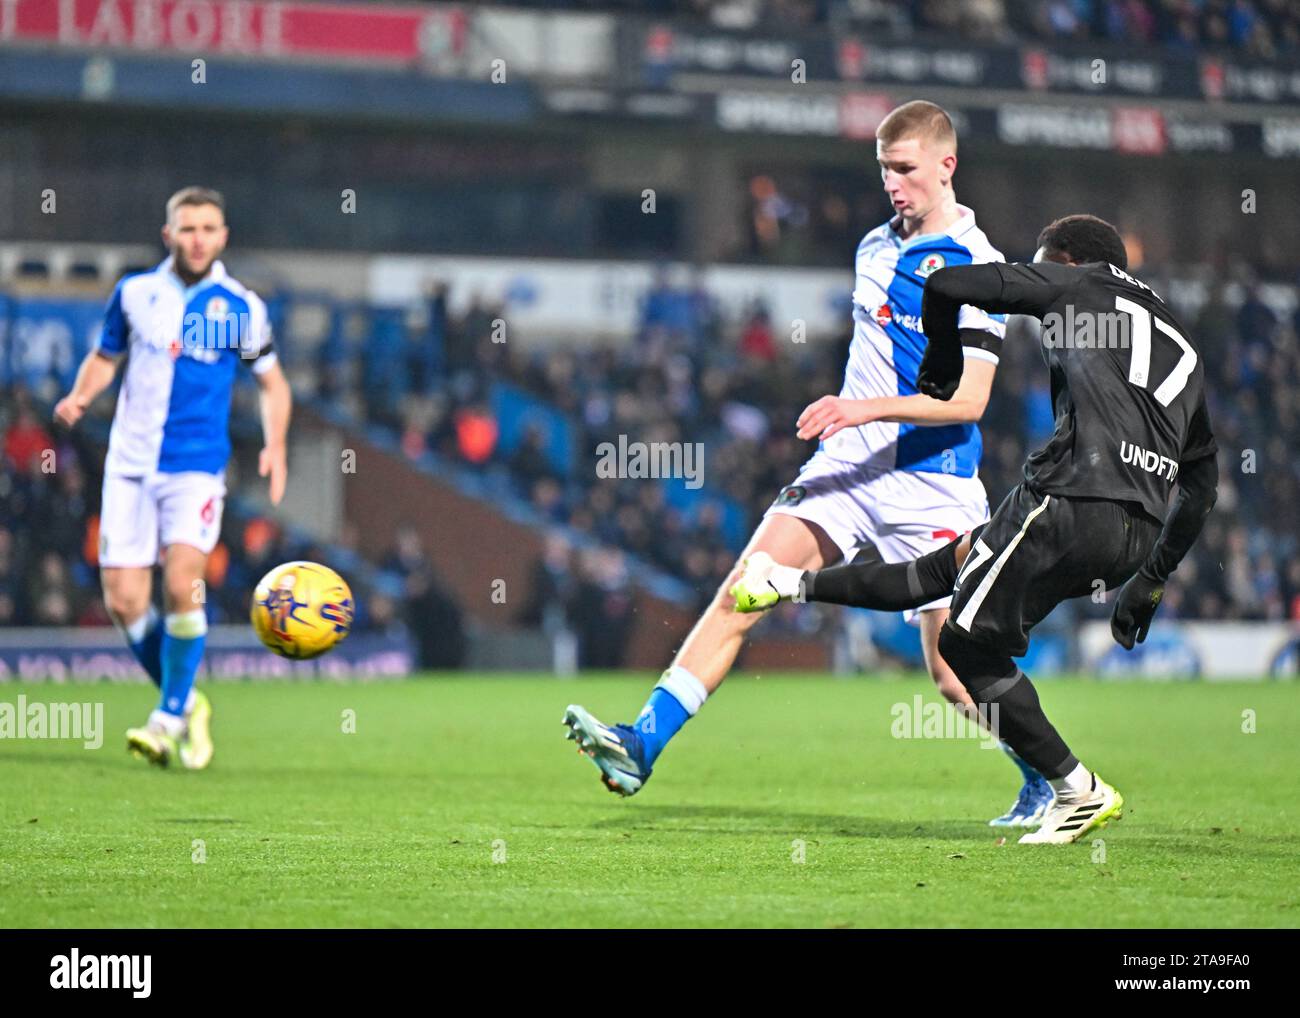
point(184, 327)
point(896, 474)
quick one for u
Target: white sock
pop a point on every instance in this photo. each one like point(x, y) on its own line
point(186, 625)
point(169, 723)
point(1078, 780)
point(684, 687)
point(786, 580)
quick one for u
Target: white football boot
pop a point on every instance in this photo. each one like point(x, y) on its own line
point(1074, 814)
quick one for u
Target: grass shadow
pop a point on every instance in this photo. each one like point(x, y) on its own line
point(749, 821)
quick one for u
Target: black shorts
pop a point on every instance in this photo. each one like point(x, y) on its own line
point(1039, 550)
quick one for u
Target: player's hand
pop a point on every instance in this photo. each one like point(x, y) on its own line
point(940, 371)
point(1134, 609)
point(274, 464)
point(69, 409)
point(830, 414)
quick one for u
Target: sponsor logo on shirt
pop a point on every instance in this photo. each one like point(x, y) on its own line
point(1151, 462)
point(886, 315)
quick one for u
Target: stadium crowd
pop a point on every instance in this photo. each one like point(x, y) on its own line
point(1263, 29)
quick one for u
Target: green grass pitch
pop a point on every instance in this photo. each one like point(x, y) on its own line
point(457, 802)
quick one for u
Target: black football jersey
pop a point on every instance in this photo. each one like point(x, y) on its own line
point(1128, 384)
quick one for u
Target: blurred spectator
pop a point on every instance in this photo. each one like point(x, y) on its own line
point(528, 463)
point(603, 607)
point(553, 587)
point(26, 440)
point(432, 615)
point(757, 342)
point(407, 555)
point(476, 434)
point(429, 354)
point(50, 592)
point(434, 620)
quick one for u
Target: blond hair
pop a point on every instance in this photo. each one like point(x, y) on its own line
point(918, 119)
point(194, 196)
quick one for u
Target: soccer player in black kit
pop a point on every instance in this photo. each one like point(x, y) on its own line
point(1131, 422)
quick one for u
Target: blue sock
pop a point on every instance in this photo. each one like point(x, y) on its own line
point(182, 652)
point(672, 703)
point(144, 637)
point(1031, 776)
point(660, 719)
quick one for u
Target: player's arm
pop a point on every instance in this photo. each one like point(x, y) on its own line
point(994, 287)
point(275, 402)
point(99, 366)
point(276, 405)
point(826, 416)
point(93, 377)
point(1198, 482)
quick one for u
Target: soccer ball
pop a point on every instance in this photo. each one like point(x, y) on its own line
point(302, 609)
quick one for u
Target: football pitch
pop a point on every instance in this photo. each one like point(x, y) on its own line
point(455, 801)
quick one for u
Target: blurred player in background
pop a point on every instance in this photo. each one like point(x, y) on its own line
point(1131, 419)
point(184, 326)
point(896, 473)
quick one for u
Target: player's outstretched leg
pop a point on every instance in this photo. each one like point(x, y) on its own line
point(1082, 801)
point(882, 586)
point(865, 583)
point(625, 754)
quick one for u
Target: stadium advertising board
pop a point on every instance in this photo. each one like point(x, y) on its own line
point(373, 33)
point(233, 654)
point(660, 51)
point(1203, 649)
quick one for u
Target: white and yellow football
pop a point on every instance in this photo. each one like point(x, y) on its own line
point(302, 609)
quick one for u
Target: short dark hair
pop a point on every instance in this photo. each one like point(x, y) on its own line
point(1084, 238)
point(194, 195)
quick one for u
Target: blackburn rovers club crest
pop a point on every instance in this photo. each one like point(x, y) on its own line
point(217, 308)
point(791, 494)
point(930, 263)
point(884, 315)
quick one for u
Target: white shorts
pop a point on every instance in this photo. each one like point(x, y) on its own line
point(141, 514)
point(904, 514)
